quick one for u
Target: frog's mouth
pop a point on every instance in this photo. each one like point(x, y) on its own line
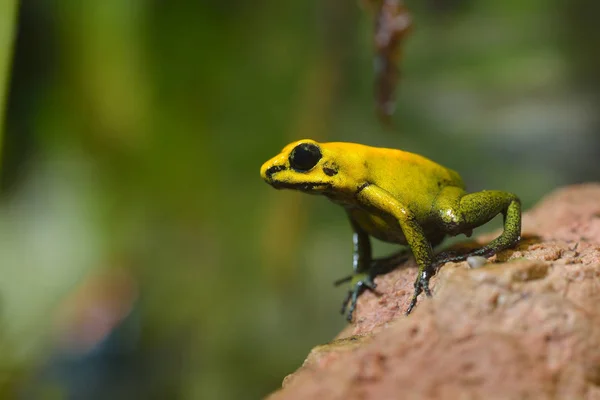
point(270, 176)
point(304, 186)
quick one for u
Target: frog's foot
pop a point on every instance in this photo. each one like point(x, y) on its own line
point(358, 283)
point(421, 285)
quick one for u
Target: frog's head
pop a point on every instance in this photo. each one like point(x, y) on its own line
point(303, 165)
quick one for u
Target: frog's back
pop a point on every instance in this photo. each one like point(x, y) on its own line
point(411, 178)
point(401, 172)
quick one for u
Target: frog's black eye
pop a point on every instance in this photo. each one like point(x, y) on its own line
point(305, 156)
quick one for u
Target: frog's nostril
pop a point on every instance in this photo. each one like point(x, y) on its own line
point(270, 171)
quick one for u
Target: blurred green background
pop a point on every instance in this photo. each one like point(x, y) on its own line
point(142, 256)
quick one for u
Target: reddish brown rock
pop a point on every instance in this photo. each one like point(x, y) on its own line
point(526, 325)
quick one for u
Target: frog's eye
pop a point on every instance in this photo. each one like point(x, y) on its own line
point(305, 156)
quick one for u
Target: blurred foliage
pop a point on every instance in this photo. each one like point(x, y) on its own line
point(8, 9)
point(134, 135)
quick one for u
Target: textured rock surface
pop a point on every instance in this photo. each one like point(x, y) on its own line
point(527, 325)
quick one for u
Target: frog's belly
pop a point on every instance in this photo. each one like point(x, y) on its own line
point(382, 229)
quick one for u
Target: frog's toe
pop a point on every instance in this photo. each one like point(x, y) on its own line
point(345, 303)
point(360, 282)
point(421, 285)
point(352, 299)
point(425, 287)
point(343, 280)
point(351, 308)
point(364, 282)
point(357, 279)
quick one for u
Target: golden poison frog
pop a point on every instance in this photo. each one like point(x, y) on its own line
point(394, 196)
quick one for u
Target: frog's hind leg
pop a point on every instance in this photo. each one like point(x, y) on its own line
point(463, 214)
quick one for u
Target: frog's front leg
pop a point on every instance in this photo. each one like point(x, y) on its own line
point(381, 202)
point(362, 278)
point(461, 213)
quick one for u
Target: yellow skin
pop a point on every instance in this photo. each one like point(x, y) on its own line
point(395, 196)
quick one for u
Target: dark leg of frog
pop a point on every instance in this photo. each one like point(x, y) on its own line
point(361, 262)
point(463, 213)
point(378, 267)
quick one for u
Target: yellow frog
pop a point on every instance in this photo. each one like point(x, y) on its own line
point(397, 197)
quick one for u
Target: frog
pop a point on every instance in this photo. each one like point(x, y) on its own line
point(397, 197)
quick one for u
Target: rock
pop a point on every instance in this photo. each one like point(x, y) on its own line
point(525, 325)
